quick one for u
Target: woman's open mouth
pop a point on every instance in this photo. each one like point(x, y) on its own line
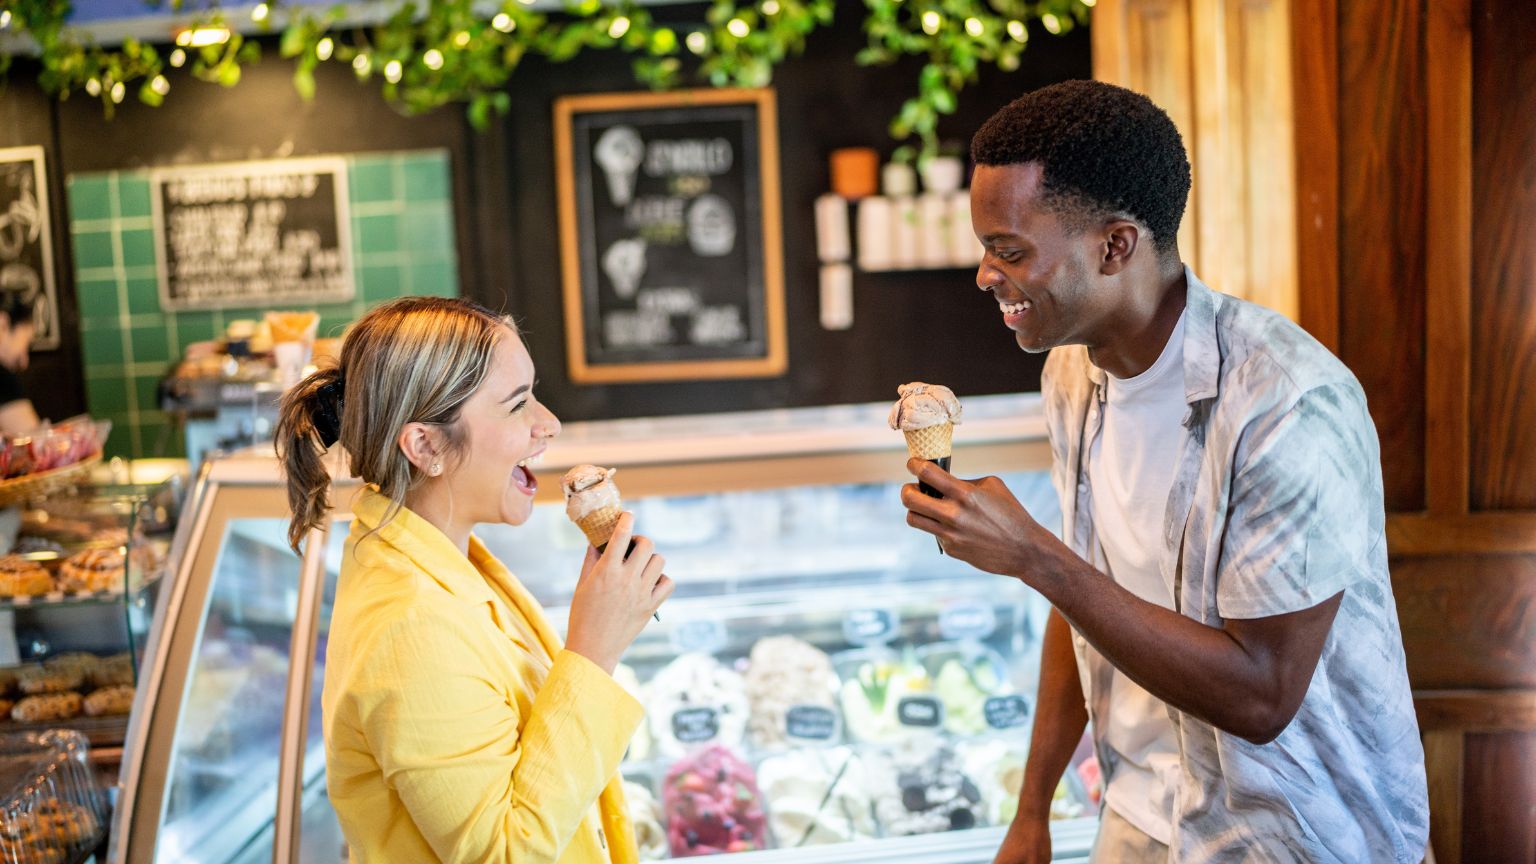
point(522, 474)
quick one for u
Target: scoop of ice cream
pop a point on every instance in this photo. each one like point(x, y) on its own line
point(697, 681)
point(816, 796)
point(921, 789)
point(784, 672)
point(589, 489)
point(998, 769)
point(964, 685)
point(646, 816)
point(923, 405)
point(873, 689)
point(713, 805)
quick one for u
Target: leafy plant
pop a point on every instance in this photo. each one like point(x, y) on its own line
point(431, 53)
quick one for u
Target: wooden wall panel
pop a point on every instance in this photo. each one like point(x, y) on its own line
point(1499, 798)
point(1503, 440)
point(1315, 85)
point(1468, 621)
point(1382, 194)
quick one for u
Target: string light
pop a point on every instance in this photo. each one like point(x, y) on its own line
point(119, 91)
point(160, 85)
point(178, 58)
point(93, 87)
point(392, 71)
point(697, 42)
point(1018, 31)
point(771, 7)
point(1052, 23)
point(5, 18)
point(202, 37)
point(362, 64)
point(433, 59)
point(324, 48)
point(461, 39)
point(973, 26)
point(931, 22)
point(259, 14)
point(1090, 3)
point(738, 28)
point(504, 22)
point(618, 28)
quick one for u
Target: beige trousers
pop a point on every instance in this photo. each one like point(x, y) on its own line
point(1120, 842)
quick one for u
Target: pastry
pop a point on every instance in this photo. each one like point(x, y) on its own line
point(5, 707)
point(113, 671)
point(40, 680)
point(84, 661)
point(20, 577)
point(109, 700)
point(108, 538)
point(93, 570)
point(50, 706)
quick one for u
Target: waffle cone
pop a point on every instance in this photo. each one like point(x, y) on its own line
point(932, 442)
point(598, 525)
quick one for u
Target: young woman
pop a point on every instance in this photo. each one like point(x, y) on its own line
point(457, 728)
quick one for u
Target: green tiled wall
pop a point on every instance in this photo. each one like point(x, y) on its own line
point(402, 243)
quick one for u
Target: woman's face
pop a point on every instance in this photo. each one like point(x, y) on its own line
point(15, 344)
point(505, 428)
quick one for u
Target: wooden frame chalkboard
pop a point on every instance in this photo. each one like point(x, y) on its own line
point(670, 243)
point(26, 240)
point(262, 233)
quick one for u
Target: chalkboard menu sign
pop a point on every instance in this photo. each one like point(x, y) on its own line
point(268, 233)
point(26, 245)
point(669, 234)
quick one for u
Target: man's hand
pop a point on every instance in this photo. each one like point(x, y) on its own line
point(980, 523)
point(1028, 841)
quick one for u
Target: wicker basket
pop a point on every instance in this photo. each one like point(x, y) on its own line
point(35, 487)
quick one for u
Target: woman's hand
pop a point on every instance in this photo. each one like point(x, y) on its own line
point(615, 595)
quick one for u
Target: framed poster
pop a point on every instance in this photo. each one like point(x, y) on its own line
point(670, 244)
point(264, 233)
point(26, 243)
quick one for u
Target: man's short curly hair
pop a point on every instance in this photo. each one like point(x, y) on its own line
point(1103, 150)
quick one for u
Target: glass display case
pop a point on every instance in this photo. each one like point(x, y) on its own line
point(76, 595)
point(823, 686)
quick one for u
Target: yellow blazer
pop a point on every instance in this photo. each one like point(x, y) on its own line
point(449, 735)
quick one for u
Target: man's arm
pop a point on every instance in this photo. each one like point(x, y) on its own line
point(1247, 678)
point(1060, 718)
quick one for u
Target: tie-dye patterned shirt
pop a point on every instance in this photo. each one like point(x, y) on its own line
point(1276, 506)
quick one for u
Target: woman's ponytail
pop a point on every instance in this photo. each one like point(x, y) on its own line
point(309, 423)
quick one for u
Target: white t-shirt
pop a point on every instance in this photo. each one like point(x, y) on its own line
point(1131, 468)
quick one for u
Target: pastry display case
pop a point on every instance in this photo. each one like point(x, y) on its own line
point(823, 686)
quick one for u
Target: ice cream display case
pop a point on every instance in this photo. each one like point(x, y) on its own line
point(824, 685)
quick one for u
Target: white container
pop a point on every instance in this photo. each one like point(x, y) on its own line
point(832, 242)
point(897, 179)
point(873, 227)
point(933, 236)
point(836, 296)
point(942, 174)
point(906, 227)
point(964, 249)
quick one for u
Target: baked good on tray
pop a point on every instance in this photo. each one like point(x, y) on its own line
point(92, 570)
point(20, 577)
point(47, 707)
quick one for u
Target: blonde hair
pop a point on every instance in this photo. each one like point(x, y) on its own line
point(411, 360)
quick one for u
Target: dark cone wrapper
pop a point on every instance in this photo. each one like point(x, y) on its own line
point(630, 551)
point(942, 462)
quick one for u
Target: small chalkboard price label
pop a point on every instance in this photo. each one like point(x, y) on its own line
point(703, 635)
point(923, 712)
point(810, 723)
point(1006, 712)
point(695, 725)
point(870, 626)
point(967, 621)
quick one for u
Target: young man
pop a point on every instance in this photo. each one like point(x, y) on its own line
point(1222, 598)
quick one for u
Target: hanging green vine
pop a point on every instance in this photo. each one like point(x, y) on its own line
point(438, 52)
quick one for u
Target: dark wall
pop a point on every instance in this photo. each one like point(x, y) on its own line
point(54, 381)
point(930, 325)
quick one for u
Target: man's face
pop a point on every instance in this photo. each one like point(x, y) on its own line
point(1044, 276)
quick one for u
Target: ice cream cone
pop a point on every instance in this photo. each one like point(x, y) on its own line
point(598, 525)
point(930, 442)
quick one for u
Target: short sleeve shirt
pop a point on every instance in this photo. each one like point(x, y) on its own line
point(1276, 506)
